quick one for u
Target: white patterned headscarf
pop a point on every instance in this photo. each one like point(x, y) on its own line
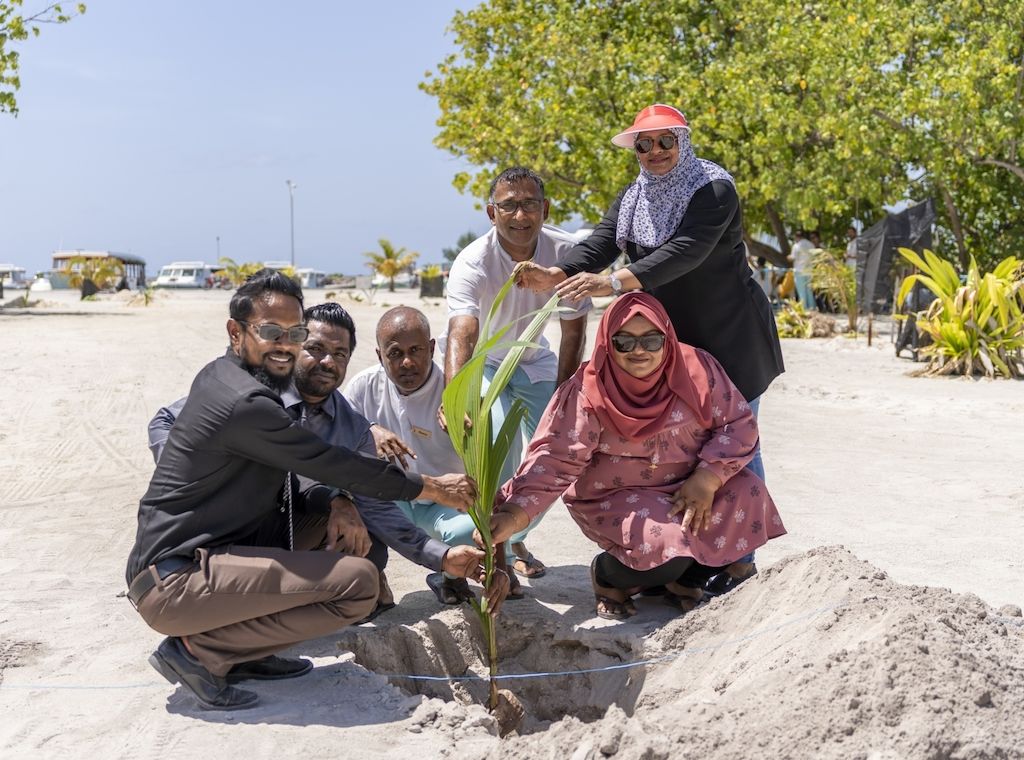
point(652, 207)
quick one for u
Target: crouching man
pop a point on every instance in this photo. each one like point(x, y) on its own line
point(225, 561)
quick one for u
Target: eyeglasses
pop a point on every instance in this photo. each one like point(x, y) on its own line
point(624, 342)
point(270, 331)
point(645, 144)
point(529, 206)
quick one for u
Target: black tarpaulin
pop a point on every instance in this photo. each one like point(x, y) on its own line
point(877, 256)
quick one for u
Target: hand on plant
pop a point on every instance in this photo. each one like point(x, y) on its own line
point(694, 499)
point(506, 521)
point(534, 277)
point(346, 532)
point(584, 285)
point(463, 562)
point(443, 421)
point(496, 591)
point(390, 446)
point(452, 490)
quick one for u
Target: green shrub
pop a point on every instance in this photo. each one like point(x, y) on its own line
point(976, 327)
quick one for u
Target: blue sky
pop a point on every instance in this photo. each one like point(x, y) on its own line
point(155, 127)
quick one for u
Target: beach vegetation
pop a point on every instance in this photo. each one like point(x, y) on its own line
point(976, 323)
point(389, 261)
point(823, 112)
point(237, 273)
point(837, 283)
point(16, 28)
point(465, 239)
point(483, 452)
point(792, 320)
point(91, 274)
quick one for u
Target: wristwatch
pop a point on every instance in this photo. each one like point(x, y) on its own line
point(616, 284)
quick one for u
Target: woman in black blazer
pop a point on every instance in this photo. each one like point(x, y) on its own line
point(680, 225)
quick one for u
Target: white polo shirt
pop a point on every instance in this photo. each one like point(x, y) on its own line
point(413, 418)
point(480, 271)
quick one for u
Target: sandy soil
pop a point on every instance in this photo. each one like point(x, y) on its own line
point(833, 653)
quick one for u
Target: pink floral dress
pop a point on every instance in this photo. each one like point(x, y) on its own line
point(619, 490)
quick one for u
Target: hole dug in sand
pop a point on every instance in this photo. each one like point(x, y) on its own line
point(821, 655)
point(449, 645)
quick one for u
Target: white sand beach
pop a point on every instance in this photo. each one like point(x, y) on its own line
point(902, 638)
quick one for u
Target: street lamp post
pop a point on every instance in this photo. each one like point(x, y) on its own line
point(291, 208)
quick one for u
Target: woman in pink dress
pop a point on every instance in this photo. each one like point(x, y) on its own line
point(646, 444)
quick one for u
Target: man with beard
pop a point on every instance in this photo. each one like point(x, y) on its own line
point(318, 406)
point(223, 562)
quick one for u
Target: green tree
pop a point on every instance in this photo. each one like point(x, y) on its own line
point(464, 239)
point(237, 273)
point(390, 261)
point(15, 28)
point(90, 273)
point(822, 111)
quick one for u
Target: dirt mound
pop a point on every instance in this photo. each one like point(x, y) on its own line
point(819, 656)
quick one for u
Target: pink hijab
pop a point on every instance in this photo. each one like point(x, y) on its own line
point(640, 407)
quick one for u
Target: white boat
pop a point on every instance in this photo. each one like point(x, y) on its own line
point(13, 277)
point(185, 274)
point(310, 278)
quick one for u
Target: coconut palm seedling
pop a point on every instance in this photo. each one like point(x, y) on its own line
point(483, 453)
point(976, 326)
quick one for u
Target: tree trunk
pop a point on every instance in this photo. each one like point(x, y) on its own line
point(957, 227)
point(778, 228)
point(391, 284)
point(759, 249)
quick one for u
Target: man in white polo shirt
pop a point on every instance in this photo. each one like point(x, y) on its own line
point(401, 397)
point(517, 209)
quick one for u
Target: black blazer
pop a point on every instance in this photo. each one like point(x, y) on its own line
point(701, 277)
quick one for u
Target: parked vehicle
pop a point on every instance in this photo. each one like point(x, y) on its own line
point(185, 274)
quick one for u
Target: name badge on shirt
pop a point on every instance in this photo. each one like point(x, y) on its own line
point(421, 432)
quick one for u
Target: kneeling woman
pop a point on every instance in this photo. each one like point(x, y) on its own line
point(646, 444)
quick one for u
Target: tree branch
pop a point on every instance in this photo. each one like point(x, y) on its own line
point(1011, 167)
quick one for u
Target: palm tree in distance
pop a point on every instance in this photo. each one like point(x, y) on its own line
point(390, 261)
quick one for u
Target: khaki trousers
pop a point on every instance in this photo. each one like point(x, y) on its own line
point(242, 603)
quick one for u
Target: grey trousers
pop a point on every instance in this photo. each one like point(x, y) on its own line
point(242, 603)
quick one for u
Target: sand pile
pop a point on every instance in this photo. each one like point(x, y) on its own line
point(820, 656)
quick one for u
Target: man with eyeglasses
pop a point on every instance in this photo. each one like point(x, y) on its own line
point(316, 403)
point(223, 562)
point(517, 209)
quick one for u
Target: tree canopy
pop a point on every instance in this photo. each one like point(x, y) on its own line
point(15, 28)
point(823, 112)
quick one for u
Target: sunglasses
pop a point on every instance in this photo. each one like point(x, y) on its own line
point(270, 331)
point(529, 206)
point(645, 144)
point(624, 342)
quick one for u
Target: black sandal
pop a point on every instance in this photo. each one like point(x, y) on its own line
point(618, 603)
point(451, 591)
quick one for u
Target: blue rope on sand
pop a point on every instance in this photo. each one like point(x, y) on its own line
point(548, 674)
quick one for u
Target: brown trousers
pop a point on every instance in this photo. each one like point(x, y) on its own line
point(242, 603)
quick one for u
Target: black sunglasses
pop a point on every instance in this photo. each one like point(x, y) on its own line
point(645, 144)
point(624, 342)
point(270, 331)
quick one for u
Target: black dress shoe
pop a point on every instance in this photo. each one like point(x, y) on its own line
point(272, 668)
point(725, 582)
point(174, 663)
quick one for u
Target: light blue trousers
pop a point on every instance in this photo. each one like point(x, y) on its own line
point(755, 465)
point(536, 397)
point(803, 290)
point(449, 525)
